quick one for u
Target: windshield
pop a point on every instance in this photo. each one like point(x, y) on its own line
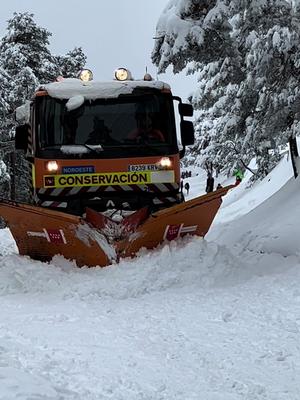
point(133, 121)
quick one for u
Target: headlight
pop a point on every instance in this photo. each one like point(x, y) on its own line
point(52, 166)
point(122, 74)
point(86, 75)
point(164, 163)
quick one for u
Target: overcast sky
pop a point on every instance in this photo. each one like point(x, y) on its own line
point(112, 33)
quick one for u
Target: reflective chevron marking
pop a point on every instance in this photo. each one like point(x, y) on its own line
point(76, 191)
point(54, 204)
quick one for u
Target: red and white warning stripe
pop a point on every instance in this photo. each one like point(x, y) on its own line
point(188, 229)
point(51, 235)
point(175, 231)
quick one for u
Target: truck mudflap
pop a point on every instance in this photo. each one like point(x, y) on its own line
point(97, 240)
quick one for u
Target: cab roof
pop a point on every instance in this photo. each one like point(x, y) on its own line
point(92, 90)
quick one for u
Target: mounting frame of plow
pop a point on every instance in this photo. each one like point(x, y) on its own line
point(97, 240)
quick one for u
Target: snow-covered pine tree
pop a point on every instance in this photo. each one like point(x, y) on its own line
point(192, 30)
point(199, 32)
point(5, 112)
point(26, 46)
point(267, 33)
point(70, 64)
point(26, 62)
point(246, 56)
point(5, 129)
point(26, 58)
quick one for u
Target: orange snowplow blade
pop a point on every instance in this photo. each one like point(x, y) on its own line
point(41, 234)
point(193, 217)
point(97, 240)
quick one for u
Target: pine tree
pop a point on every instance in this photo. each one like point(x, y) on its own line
point(70, 64)
point(5, 111)
point(26, 62)
point(192, 30)
point(246, 55)
point(26, 45)
point(267, 34)
point(25, 57)
point(207, 44)
point(6, 126)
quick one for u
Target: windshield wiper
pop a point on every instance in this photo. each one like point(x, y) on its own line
point(80, 148)
point(94, 149)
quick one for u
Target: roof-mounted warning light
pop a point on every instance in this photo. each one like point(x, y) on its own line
point(123, 74)
point(148, 77)
point(86, 75)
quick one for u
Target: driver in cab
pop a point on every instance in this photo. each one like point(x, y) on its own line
point(145, 131)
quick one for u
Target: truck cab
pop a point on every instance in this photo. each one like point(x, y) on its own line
point(105, 145)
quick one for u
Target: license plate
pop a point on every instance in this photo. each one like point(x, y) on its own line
point(142, 167)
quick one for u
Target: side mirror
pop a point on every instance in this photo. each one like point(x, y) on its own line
point(185, 109)
point(187, 133)
point(21, 138)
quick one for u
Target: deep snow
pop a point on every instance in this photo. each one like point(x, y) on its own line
point(214, 318)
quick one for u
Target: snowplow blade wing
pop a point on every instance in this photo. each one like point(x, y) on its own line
point(193, 217)
point(41, 233)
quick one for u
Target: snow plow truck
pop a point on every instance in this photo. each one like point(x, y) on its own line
point(104, 170)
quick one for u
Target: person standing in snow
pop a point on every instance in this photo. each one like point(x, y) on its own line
point(238, 177)
point(187, 187)
point(237, 181)
point(209, 183)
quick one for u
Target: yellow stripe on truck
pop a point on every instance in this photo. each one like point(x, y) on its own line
point(106, 179)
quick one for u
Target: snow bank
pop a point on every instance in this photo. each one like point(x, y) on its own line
point(264, 217)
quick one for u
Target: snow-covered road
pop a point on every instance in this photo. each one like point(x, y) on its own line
point(198, 319)
point(179, 323)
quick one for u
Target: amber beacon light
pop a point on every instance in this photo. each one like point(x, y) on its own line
point(86, 75)
point(122, 74)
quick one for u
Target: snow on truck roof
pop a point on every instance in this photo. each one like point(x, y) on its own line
point(92, 90)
